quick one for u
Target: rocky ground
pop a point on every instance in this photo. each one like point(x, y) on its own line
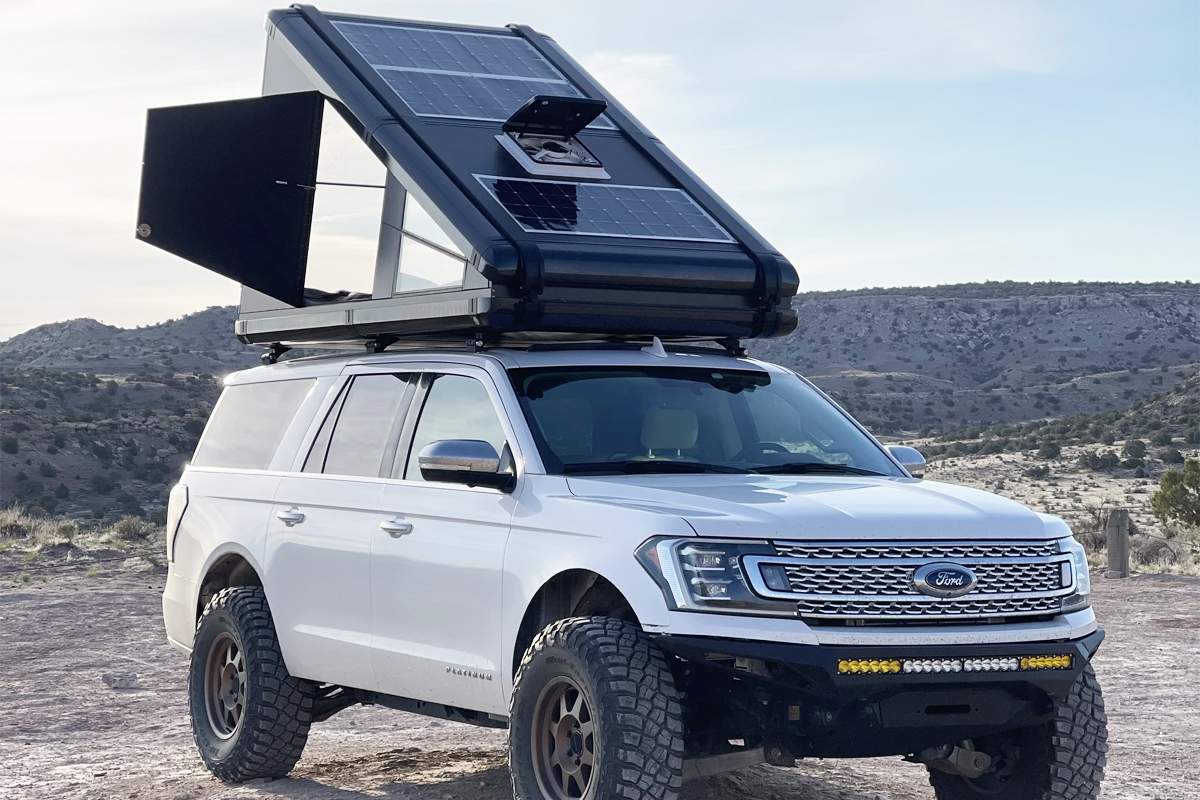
point(66, 734)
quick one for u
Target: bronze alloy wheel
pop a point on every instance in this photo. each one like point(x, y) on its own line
point(225, 686)
point(565, 746)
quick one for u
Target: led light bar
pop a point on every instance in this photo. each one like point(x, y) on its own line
point(933, 665)
point(1046, 662)
point(924, 666)
point(868, 665)
point(991, 664)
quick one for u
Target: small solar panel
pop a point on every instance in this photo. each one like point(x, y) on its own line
point(459, 74)
point(440, 94)
point(592, 209)
point(447, 51)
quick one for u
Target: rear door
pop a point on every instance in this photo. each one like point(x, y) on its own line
point(436, 577)
point(324, 521)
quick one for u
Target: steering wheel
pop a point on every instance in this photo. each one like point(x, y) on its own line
point(762, 448)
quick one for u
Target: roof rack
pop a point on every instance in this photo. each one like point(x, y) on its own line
point(518, 198)
point(479, 343)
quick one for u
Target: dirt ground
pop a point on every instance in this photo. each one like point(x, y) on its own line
point(64, 733)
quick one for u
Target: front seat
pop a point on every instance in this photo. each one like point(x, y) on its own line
point(669, 431)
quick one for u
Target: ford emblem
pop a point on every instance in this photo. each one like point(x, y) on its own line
point(944, 579)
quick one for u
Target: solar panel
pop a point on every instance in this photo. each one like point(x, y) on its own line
point(447, 51)
point(440, 94)
point(459, 74)
point(592, 209)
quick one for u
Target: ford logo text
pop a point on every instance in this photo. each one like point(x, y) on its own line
point(943, 579)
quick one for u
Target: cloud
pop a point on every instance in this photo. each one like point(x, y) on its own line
point(764, 172)
point(929, 40)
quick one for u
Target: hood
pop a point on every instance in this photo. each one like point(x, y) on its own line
point(818, 507)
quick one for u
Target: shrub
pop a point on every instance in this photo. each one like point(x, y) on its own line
point(133, 529)
point(101, 484)
point(1049, 450)
point(1171, 456)
point(1178, 495)
point(1134, 449)
point(10, 445)
point(1099, 461)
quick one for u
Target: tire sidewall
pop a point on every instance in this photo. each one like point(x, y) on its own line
point(551, 663)
point(213, 748)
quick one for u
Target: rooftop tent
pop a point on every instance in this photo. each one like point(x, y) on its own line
point(497, 191)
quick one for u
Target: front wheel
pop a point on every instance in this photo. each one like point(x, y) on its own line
point(250, 718)
point(595, 715)
point(1061, 760)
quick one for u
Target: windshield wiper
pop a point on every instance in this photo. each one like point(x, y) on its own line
point(647, 467)
point(810, 467)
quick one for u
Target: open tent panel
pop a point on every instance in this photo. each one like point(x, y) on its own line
point(371, 194)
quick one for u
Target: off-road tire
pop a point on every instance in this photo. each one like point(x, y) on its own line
point(273, 727)
point(639, 719)
point(1061, 760)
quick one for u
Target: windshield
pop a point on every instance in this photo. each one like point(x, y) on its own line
point(634, 420)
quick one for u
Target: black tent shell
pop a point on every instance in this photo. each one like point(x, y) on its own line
point(230, 186)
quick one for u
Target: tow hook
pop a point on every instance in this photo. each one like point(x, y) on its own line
point(962, 759)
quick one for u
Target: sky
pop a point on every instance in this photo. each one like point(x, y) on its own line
point(910, 142)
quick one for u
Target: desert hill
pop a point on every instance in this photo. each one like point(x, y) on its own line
point(910, 360)
point(96, 420)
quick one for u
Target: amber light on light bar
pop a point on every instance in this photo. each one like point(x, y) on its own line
point(1046, 662)
point(862, 666)
point(927, 666)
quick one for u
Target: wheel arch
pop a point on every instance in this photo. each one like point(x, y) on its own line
point(570, 593)
point(230, 565)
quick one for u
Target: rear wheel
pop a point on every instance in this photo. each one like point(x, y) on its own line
point(1061, 760)
point(595, 715)
point(250, 718)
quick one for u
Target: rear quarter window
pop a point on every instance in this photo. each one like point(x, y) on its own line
point(248, 424)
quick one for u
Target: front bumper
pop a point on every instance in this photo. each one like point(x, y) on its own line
point(821, 709)
point(815, 667)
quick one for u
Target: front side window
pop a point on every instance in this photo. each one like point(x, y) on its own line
point(615, 420)
point(456, 407)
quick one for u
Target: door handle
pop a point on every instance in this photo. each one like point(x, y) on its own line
point(396, 527)
point(290, 517)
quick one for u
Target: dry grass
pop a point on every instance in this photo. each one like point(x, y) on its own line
point(32, 537)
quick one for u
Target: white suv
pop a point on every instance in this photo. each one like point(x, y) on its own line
point(648, 563)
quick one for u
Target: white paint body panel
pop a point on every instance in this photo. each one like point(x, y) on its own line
point(436, 609)
point(409, 615)
point(317, 573)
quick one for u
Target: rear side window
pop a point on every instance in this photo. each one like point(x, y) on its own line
point(362, 428)
point(248, 423)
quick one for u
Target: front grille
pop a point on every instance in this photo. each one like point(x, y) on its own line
point(853, 579)
point(865, 582)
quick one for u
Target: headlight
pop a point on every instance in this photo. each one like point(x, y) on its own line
point(1079, 569)
point(706, 575)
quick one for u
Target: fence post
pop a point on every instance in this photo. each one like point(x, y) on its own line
point(1116, 531)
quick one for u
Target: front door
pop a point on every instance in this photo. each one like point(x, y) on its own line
point(436, 568)
point(323, 525)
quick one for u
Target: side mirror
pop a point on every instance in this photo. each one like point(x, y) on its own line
point(910, 458)
point(467, 461)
